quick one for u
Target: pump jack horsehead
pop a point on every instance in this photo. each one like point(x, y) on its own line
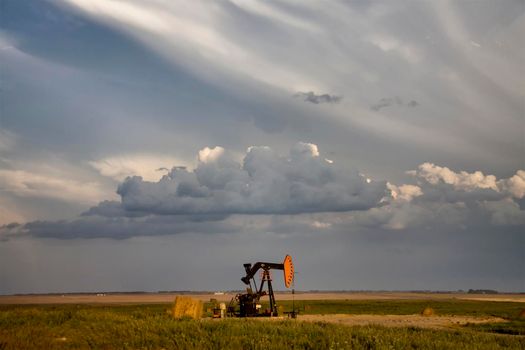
point(249, 302)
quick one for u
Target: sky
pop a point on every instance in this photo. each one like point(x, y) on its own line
point(159, 145)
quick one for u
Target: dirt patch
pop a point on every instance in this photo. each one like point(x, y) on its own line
point(433, 322)
point(511, 298)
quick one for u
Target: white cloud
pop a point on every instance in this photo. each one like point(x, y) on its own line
point(388, 43)
point(473, 183)
point(267, 10)
point(321, 225)
point(127, 13)
point(150, 167)
point(404, 192)
point(303, 149)
point(463, 180)
point(210, 155)
point(475, 44)
point(446, 197)
point(515, 185)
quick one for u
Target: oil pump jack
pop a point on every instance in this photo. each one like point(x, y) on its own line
point(249, 302)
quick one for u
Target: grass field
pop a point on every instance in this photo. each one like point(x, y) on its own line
point(150, 327)
point(507, 310)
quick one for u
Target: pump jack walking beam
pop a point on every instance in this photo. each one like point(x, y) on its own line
point(252, 270)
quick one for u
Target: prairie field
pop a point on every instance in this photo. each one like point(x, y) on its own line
point(322, 324)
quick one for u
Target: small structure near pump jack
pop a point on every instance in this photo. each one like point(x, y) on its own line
point(219, 310)
point(248, 304)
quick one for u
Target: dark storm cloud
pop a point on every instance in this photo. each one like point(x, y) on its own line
point(287, 195)
point(94, 226)
point(115, 209)
point(111, 209)
point(316, 99)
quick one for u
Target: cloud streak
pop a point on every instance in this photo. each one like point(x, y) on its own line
point(23, 183)
point(392, 101)
point(312, 97)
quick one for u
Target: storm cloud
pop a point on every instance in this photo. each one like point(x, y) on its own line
point(265, 183)
point(298, 192)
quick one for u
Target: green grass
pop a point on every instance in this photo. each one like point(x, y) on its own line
point(513, 327)
point(149, 327)
point(508, 310)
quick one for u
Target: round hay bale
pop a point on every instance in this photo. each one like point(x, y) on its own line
point(522, 314)
point(187, 307)
point(428, 311)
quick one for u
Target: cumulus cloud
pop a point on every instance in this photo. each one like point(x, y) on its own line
point(463, 180)
point(316, 99)
point(404, 192)
point(515, 185)
point(445, 197)
point(474, 185)
point(286, 194)
point(265, 183)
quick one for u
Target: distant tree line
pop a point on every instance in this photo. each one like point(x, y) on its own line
point(482, 291)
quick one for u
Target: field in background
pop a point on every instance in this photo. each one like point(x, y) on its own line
point(145, 298)
point(98, 325)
